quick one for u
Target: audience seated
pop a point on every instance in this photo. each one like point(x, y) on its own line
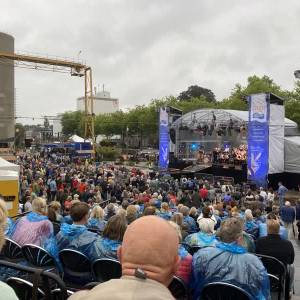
point(258, 217)
point(112, 237)
point(178, 219)
point(230, 262)
point(6, 291)
point(76, 236)
point(67, 218)
point(206, 217)
point(165, 211)
point(148, 246)
point(264, 232)
point(35, 228)
point(54, 210)
point(96, 220)
point(185, 267)
point(205, 237)
point(110, 210)
point(131, 213)
point(187, 220)
point(273, 245)
point(250, 226)
point(67, 205)
point(194, 213)
point(7, 223)
point(148, 260)
point(149, 211)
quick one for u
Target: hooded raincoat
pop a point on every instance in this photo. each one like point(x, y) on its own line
point(232, 264)
point(78, 237)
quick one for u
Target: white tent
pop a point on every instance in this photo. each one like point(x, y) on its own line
point(76, 139)
point(292, 154)
point(7, 175)
point(5, 165)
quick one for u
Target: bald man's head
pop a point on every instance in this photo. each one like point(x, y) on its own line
point(151, 244)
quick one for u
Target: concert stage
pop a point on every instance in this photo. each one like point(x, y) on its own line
point(238, 173)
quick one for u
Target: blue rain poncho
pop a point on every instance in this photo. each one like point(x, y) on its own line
point(9, 227)
point(251, 228)
point(190, 223)
point(232, 264)
point(67, 219)
point(200, 239)
point(107, 248)
point(165, 215)
point(77, 237)
point(95, 223)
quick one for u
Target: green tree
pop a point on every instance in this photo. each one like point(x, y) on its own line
point(73, 123)
point(292, 104)
point(195, 91)
point(109, 124)
point(255, 85)
point(142, 120)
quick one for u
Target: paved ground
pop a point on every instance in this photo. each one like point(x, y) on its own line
point(297, 270)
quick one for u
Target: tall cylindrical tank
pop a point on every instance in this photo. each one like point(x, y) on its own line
point(7, 91)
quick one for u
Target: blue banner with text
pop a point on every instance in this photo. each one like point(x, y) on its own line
point(163, 139)
point(258, 139)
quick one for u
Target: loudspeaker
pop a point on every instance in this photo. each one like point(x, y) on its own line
point(173, 135)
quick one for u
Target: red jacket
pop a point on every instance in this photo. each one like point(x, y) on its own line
point(185, 268)
point(203, 193)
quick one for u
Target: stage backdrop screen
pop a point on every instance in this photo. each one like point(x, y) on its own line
point(163, 139)
point(258, 139)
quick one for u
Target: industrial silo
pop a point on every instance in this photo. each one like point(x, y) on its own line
point(7, 91)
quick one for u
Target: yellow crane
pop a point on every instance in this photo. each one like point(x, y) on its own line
point(61, 65)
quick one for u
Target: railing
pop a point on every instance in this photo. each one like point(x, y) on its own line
point(20, 215)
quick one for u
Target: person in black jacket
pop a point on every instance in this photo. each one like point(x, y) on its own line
point(273, 245)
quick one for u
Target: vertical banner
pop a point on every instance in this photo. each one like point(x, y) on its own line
point(163, 139)
point(258, 139)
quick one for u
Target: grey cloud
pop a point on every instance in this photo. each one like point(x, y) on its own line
point(146, 49)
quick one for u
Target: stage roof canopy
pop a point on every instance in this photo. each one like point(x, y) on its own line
point(222, 117)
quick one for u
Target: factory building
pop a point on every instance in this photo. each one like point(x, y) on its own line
point(103, 103)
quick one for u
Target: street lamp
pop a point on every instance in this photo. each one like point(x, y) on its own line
point(297, 74)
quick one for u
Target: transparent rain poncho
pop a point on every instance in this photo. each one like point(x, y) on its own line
point(200, 239)
point(232, 264)
point(35, 229)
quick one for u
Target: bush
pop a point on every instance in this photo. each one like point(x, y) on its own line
point(107, 143)
point(108, 153)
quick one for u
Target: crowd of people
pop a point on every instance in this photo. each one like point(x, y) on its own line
point(150, 224)
point(226, 155)
point(223, 155)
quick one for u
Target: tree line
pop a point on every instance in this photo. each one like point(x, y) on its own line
point(143, 119)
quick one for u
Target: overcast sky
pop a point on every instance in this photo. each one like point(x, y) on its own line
point(143, 49)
